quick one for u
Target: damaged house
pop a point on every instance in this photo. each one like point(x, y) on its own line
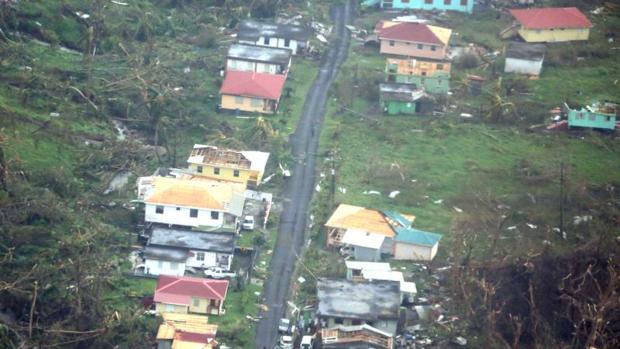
point(404, 99)
point(258, 59)
point(600, 115)
point(251, 92)
point(287, 36)
point(523, 58)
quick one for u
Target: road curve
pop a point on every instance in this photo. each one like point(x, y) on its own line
point(300, 185)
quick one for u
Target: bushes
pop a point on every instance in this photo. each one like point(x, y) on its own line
point(467, 61)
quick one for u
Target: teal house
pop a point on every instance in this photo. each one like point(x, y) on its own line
point(439, 5)
point(601, 116)
point(404, 99)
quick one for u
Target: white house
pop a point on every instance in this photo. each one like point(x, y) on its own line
point(204, 204)
point(355, 268)
point(170, 251)
point(361, 271)
point(414, 244)
point(523, 58)
point(366, 246)
point(258, 59)
point(288, 36)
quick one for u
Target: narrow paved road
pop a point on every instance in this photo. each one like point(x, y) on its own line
point(300, 185)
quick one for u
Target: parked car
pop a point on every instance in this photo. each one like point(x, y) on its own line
point(248, 223)
point(307, 342)
point(286, 342)
point(218, 273)
point(284, 326)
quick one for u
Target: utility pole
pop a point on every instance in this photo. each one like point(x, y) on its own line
point(562, 199)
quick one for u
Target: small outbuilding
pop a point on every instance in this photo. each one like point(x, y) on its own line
point(414, 244)
point(523, 58)
point(600, 115)
point(404, 99)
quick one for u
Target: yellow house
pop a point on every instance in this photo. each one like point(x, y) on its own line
point(552, 24)
point(188, 295)
point(251, 91)
point(245, 167)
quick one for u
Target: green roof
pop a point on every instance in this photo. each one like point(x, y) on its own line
point(395, 216)
point(416, 237)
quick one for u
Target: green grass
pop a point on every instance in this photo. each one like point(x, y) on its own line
point(234, 328)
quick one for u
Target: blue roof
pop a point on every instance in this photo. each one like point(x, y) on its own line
point(416, 237)
point(395, 216)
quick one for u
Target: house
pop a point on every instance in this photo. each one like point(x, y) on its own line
point(188, 295)
point(432, 75)
point(552, 24)
point(524, 58)
point(203, 204)
point(187, 248)
point(258, 59)
point(414, 244)
point(360, 336)
point(410, 39)
point(251, 91)
point(404, 99)
point(287, 36)
point(349, 217)
point(440, 5)
point(350, 303)
point(185, 331)
point(362, 271)
point(366, 246)
point(600, 115)
point(241, 166)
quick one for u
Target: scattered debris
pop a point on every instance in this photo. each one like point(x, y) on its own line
point(393, 194)
point(187, 70)
point(285, 172)
point(301, 279)
point(457, 209)
point(581, 219)
point(54, 114)
point(512, 227)
point(438, 202)
point(460, 341)
point(466, 115)
point(318, 188)
point(532, 226)
point(342, 190)
point(371, 192)
point(321, 38)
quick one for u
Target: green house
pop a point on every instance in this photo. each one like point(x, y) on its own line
point(404, 99)
point(598, 115)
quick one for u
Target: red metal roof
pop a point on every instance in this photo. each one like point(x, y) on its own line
point(252, 84)
point(551, 18)
point(180, 290)
point(413, 32)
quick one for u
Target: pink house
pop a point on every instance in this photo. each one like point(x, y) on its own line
point(413, 39)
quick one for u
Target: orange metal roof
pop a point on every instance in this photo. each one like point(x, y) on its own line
point(355, 217)
point(201, 194)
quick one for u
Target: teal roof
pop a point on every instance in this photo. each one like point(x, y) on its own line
point(395, 216)
point(416, 237)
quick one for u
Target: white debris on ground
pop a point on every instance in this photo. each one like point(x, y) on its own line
point(438, 202)
point(393, 194)
point(581, 219)
point(459, 210)
point(371, 192)
point(531, 226)
point(342, 190)
point(318, 188)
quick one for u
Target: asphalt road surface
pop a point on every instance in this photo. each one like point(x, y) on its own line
point(300, 185)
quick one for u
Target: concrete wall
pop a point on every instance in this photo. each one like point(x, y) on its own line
point(242, 65)
point(366, 254)
point(248, 104)
point(159, 267)
point(523, 66)
point(452, 5)
point(294, 45)
point(409, 49)
point(554, 35)
point(388, 326)
point(181, 216)
point(436, 84)
point(411, 252)
point(161, 308)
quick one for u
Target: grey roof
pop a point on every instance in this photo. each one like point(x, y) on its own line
point(401, 92)
point(521, 50)
point(195, 240)
point(252, 30)
point(259, 54)
point(366, 301)
point(165, 253)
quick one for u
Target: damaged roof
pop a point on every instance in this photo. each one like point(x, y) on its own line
point(252, 30)
point(259, 53)
point(521, 50)
point(401, 92)
point(361, 218)
point(368, 301)
point(195, 240)
point(551, 18)
point(416, 237)
point(240, 159)
point(165, 253)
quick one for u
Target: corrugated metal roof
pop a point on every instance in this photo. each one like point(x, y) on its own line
point(363, 239)
point(416, 237)
point(551, 18)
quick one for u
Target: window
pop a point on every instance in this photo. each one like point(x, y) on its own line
point(266, 40)
point(392, 43)
point(159, 209)
point(174, 265)
point(236, 173)
point(420, 46)
point(193, 213)
point(196, 302)
point(169, 308)
point(592, 117)
point(428, 1)
point(433, 48)
point(239, 99)
point(463, 2)
point(439, 66)
point(199, 169)
point(447, 2)
point(178, 209)
point(216, 170)
point(608, 118)
point(423, 73)
point(338, 321)
point(580, 116)
point(356, 322)
point(404, 1)
point(287, 42)
point(215, 215)
point(439, 82)
point(200, 256)
point(255, 102)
